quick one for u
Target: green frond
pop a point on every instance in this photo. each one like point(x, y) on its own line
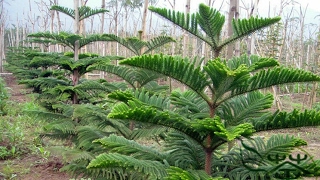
point(48, 116)
point(274, 76)
point(175, 173)
point(126, 73)
point(144, 76)
point(92, 38)
point(190, 103)
point(91, 114)
point(281, 120)
point(151, 169)
point(129, 74)
point(82, 64)
point(81, 55)
point(87, 134)
point(224, 79)
point(155, 88)
point(175, 67)
point(138, 112)
point(67, 11)
point(155, 100)
point(216, 128)
point(60, 129)
point(92, 88)
point(45, 83)
point(241, 108)
point(123, 96)
point(78, 170)
point(86, 11)
point(121, 145)
point(113, 86)
point(244, 27)
point(211, 22)
point(45, 42)
point(253, 62)
point(157, 42)
point(255, 159)
point(45, 61)
point(69, 39)
point(64, 38)
point(72, 155)
point(187, 22)
point(133, 44)
point(184, 152)
point(64, 109)
point(148, 132)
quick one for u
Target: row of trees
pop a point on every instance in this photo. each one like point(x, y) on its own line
point(107, 124)
point(292, 41)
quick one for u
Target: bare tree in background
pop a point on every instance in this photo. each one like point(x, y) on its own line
point(144, 21)
point(2, 32)
point(185, 34)
point(233, 14)
point(76, 28)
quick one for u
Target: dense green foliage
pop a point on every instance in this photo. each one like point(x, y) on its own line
point(177, 134)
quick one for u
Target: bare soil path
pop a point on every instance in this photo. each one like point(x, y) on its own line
point(29, 166)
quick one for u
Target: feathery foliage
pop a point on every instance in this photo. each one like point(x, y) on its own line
point(136, 45)
point(84, 11)
point(264, 160)
point(207, 24)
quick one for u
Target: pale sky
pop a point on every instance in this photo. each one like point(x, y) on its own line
point(19, 8)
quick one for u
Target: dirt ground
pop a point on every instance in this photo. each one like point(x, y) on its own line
point(29, 166)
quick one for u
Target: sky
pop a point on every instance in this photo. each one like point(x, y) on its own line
point(17, 9)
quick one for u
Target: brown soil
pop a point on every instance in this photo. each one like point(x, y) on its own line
point(29, 166)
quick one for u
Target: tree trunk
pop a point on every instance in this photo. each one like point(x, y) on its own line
point(76, 29)
point(173, 6)
point(185, 34)
point(251, 39)
point(2, 25)
point(233, 14)
point(76, 48)
point(208, 160)
point(102, 44)
point(144, 21)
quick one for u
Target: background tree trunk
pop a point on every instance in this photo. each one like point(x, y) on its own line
point(233, 14)
point(144, 21)
point(102, 44)
point(186, 34)
point(2, 33)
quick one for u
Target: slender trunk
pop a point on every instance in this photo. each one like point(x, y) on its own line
point(76, 29)
point(251, 39)
point(185, 34)
point(172, 44)
point(76, 48)
point(233, 13)
point(102, 44)
point(17, 33)
point(51, 48)
point(208, 149)
point(313, 94)
point(59, 25)
point(144, 21)
point(208, 160)
point(58, 16)
point(116, 29)
point(2, 33)
point(75, 80)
